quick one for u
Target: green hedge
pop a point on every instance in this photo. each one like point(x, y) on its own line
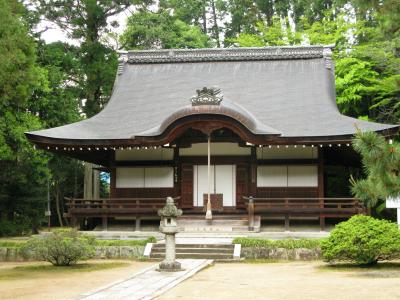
point(101, 243)
point(274, 244)
point(105, 243)
point(12, 244)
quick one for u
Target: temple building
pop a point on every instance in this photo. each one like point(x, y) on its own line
point(252, 133)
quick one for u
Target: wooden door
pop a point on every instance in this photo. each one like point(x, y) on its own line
point(187, 186)
point(242, 180)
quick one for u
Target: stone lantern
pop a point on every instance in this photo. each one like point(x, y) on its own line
point(169, 227)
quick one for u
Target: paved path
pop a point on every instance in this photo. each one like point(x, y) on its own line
point(149, 283)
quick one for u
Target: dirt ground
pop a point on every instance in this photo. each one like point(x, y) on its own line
point(294, 280)
point(63, 285)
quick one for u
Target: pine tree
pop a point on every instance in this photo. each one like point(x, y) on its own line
point(381, 162)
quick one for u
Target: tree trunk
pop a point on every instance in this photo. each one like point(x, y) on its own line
point(215, 27)
point(204, 17)
point(59, 214)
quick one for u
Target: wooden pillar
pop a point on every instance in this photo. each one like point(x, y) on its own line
point(88, 181)
point(253, 172)
point(177, 176)
point(321, 192)
point(209, 212)
point(96, 184)
point(137, 224)
point(104, 223)
point(287, 222)
point(250, 210)
point(322, 222)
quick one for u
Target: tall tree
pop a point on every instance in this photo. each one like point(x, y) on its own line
point(86, 21)
point(23, 171)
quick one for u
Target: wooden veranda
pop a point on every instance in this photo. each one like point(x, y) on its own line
point(138, 208)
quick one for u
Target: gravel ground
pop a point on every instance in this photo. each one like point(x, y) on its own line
point(306, 280)
point(63, 285)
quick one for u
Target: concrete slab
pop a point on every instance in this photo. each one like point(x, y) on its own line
point(147, 284)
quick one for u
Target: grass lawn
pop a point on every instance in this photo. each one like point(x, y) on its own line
point(44, 269)
point(37, 280)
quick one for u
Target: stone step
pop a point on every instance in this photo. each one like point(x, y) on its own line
point(195, 250)
point(196, 256)
point(197, 246)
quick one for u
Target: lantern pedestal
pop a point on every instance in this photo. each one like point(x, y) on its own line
point(169, 227)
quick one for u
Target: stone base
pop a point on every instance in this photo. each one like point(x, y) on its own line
point(169, 266)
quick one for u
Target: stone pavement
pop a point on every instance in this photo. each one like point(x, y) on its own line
point(149, 283)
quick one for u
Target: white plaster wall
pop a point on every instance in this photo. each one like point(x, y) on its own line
point(144, 154)
point(152, 177)
point(200, 149)
point(303, 176)
point(130, 177)
point(272, 176)
point(287, 176)
point(287, 153)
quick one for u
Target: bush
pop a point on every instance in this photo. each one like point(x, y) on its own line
point(274, 244)
point(362, 240)
point(63, 247)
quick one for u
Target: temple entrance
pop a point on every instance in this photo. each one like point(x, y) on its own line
point(222, 185)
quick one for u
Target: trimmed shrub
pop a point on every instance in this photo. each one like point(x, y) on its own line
point(62, 247)
point(362, 240)
point(285, 249)
point(105, 243)
point(275, 244)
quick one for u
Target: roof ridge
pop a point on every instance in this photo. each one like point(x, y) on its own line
point(225, 54)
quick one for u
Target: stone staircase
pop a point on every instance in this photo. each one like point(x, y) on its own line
point(196, 251)
point(219, 223)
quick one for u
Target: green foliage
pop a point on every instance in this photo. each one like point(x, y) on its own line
point(148, 30)
point(12, 243)
point(362, 240)
point(104, 243)
point(62, 247)
point(273, 244)
point(86, 21)
point(381, 162)
point(23, 170)
point(19, 225)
